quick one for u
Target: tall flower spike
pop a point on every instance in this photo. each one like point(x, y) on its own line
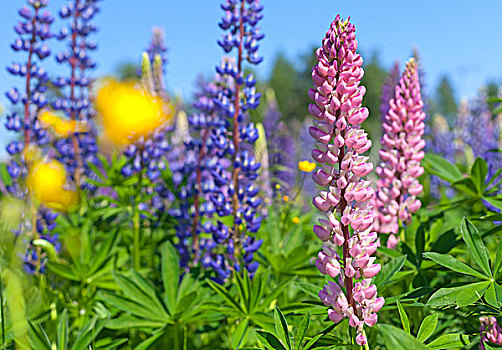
point(401, 153)
point(33, 31)
point(80, 148)
point(388, 88)
point(280, 148)
point(345, 195)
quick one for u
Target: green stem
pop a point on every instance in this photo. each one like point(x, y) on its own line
point(177, 341)
point(137, 219)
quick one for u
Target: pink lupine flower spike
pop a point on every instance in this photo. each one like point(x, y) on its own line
point(401, 153)
point(345, 197)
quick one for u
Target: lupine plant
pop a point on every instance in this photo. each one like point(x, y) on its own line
point(345, 197)
point(130, 219)
point(402, 151)
point(76, 149)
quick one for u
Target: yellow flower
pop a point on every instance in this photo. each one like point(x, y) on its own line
point(277, 186)
point(296, 220)
point(128, 113)
point(47, 181)
point(61, 127)
point(306, 166)
point(285, 198)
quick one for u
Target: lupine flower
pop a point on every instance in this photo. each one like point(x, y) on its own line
point(222, 147)
point(345, 195)
point(157, 47)
point(490, 331)
point(388, 88)
point(79, 148)
point(47, 182)
point(306, 166)
point(280, 145)
point(401, 153)
point(128, 114)
point(33, 31)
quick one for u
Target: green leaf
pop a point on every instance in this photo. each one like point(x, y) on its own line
point(453, 264)
point(144, 296)
point(281, 287)
point(491, 296)
point(449, 341)
point(396, 338)
point(467, 186)
point(479, 170)
point(404, 318)
point(239, 334)
point(4, 175)
point(389, 270)
point(477, 249)
point(132, 307)
point(63, 271)
point(498, 260)
point(469, 296)
point(309, 288)
point(86, 335)
point(170, 268)
point(302, 331)
point(460, 295)
point(270, 340)
point(225, 295)
point(420, 244)
point(312, 342)
point(62, 331)
point(243, 289)
point(427, 327)
point(150, 341)
point(131, 322)
point(109, 343)
point(493, 201)
point(439, 166)
point(103, 254)
point(38, 337)
point(281, 327)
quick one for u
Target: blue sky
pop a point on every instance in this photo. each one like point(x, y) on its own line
point(459, 38)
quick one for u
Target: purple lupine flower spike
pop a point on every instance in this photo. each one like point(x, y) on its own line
point(280, 147)
point(80, 149)
point(33, 31)
point(401, 153)
point(221, 160)
point(490, 331)
point(388, 89)
point(345, 195)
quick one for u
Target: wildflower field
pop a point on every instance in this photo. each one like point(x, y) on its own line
point(350, 209)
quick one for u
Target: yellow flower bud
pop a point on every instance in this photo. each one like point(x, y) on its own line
point(296, 220)
point(306, 166)
point(47, 182)
point(285, 198)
